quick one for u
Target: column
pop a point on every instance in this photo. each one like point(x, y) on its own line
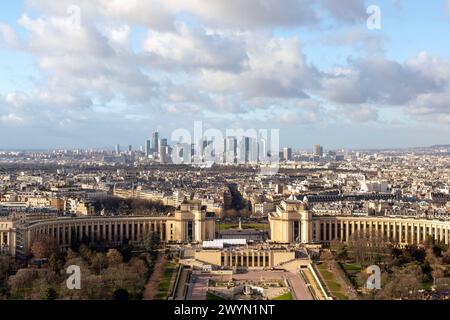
point(109, 232)
point(58, 228)
point(389, 231)
point(351, 229)
point(407, 232)
point(365, 233)
point(394, 234)
point(417, 226)
point(104, 231)
point(317, 223)
point(446, 236)
point(342, 230)
point(329, 230)
point(335, 230)
point(139, 230)
point(347, 231)
point(69, 235)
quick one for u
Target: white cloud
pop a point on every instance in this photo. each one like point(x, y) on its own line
point(276, 68)
point(251, 13)
point(188, 49)
point(376, 79)
point(8, 37)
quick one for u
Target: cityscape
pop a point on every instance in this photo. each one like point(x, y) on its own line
point(233, 153)
point(196, 233)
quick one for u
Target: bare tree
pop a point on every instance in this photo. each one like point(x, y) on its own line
point(43, 247)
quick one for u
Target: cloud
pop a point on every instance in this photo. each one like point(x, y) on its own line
point(431, 104)
point(359, 113)
point(187, 49)
point(357, 37)
point(276, 68)
point(155, 14)
point(139, 63)
point(252, 13)
point(376, 79)
point(8, 37)
point(348, 10)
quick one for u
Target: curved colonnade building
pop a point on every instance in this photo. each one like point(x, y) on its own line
point(292, 222)
point(189, 224)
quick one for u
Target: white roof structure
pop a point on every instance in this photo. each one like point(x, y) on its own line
point(220, 243)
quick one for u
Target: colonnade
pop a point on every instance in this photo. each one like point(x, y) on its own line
point(247, 258)
point(117, 230)
point(326, 229)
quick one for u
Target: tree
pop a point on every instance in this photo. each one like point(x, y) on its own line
point(403, 283)
point(150, 241)
point(114, 257)
point(85, 252)
point(43, 246)
point(49, 294)
point(367, 249)
point(71, 254)
point(446, 257)
point(99, 262)
point(53, 263)
point(6, 265)
point(23, 279)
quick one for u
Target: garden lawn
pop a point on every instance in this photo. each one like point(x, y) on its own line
point(164, 285)
point(286, 296)
point(330, 281)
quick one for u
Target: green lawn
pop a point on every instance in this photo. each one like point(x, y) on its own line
point(330, 281)
point(164, 285)
point(351, 267)
point(212, 296)
point(286, 296)
point(351, 270)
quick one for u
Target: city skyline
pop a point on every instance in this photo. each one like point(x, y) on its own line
point(314, 71)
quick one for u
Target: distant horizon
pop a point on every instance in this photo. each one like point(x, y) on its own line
point(124, 148)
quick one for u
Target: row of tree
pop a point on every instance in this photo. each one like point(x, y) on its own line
point(405, 271)
point(130, 206)
point(103, 276)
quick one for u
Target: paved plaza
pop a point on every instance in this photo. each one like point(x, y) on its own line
point(199, 282)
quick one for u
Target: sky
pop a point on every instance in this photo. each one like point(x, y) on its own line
point(94, 73)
